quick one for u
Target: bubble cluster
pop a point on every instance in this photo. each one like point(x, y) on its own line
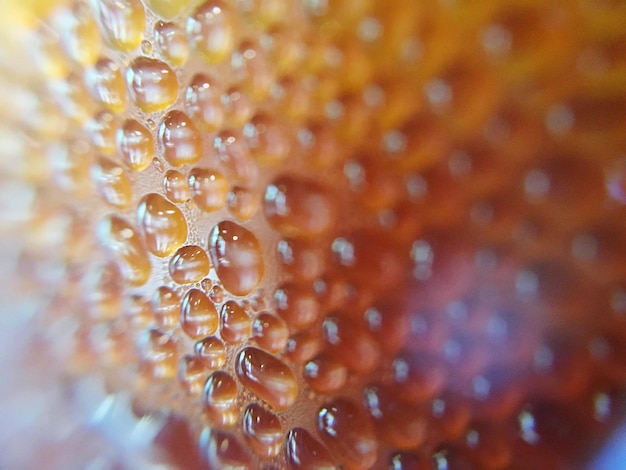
point(348, 234)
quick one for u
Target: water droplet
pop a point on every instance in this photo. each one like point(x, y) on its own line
point(168, 9)
point(192, 374)
point(138, 312)
point(234, 155)
point(198, 316)
point(101, 130)
point(348, 432)
point(238, 107)
point(152, 84)
point(125, 245)
point(162, 224)
point(267, 377)
point(351, 343)
point(106, 84)
point(262, 430)
point(217, 294)
point(303, 346)
point(158, 353)
point(79, 35)
point(135, 145)
point(297, 305)
point(269, 140)
point(302, 259)
point(242, 203)
point(112, 182)
point(235, 323)
point(209, 188)
point(400, 425)
point(224, 451)
point(303, 451)
point(237, 258)
point(256, 74)
point(121, 22)
point(220, 399)
point(104, 293)
point(325, 374)
point(203, 102)
point(270, 332)
point(171, 42)
point(212, 351)
point(175, 186)
point(182, 143)
point(211, 31)
point(165, 305)
point(298, 207)
point(189, 264)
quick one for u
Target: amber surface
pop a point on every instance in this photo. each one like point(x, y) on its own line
point(306, 234)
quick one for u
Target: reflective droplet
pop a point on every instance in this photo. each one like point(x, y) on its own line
point(418, 377)
point(212, 351)
point(242, 203)
point(121, 22)
point(400, 425)
point(104, 294)
point(175, 186)
point(79, 35)
point(303, 346)
point(237, 257)
point(256, 74)
point(165, 305)
point(224, 451)
point(198, 316)
point(211, 31)
point(262, 430)
point(216, 293)
point(451, 415)
point(301, 259)
point(182, 143)
point(269, 139)
point(159, 355)
point(72, 98)
point(408, 461)
point(111, 182)
point(203, 102)
point(189, 264)
point(209, 188)
point(192, 374)
point(351, 343)
point(270, 332)
point(297, 305)
point(125, 245)
point(304, 452)
point(146, 47)
point(101, 130)
point(267, 377)
point(235, 323)
point(220, 399)
point(171, 42)
point(162, 224)
point(168, 9)
point(269, 12)
point(325, 374)
point(298, 207)
point(349, 433)
point(106, 85)
point(234, 155)
point(152, 84)
point(135, 145)
point(238, 108)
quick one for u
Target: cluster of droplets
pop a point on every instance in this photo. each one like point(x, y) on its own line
point(357, 234)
